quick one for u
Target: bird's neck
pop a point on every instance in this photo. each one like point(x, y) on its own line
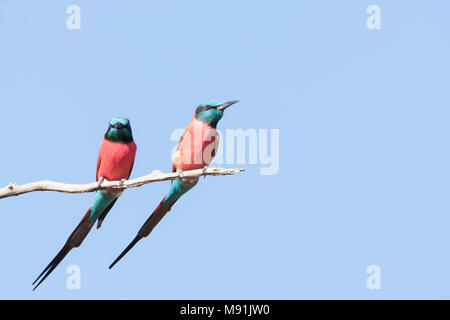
point(208, 119)
point(122, 136)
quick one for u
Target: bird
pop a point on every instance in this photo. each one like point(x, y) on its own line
point(115, 162)
point(196, 149)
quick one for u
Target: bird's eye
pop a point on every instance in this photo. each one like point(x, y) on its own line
point(208, 107)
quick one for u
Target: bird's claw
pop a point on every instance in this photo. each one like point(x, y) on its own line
point(204, 171)
point(122, 181)
point(100, 181)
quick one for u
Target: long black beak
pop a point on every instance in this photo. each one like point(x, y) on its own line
point(225, 105)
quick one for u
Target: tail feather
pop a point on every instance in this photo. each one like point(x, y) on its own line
point(52, 265)
point(104, 213)
point(147, 228)
point(74, 240)
point(124, 252)
point(155, 218)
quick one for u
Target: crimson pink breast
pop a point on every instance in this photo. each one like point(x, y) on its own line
point(197, 146)
point(115, 160)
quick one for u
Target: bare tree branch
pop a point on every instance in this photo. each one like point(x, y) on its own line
point(14, 190)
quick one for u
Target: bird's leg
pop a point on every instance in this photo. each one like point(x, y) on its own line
point(180, 175)
point(100, 181)
point(204, 171)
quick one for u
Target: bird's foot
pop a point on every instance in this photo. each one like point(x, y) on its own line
point(122, 182)
point(204, 171)
point(100, 181)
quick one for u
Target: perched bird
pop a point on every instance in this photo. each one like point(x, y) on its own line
point(196, 149)
point(115, 162)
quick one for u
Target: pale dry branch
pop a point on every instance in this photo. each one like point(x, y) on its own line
point(14, 189)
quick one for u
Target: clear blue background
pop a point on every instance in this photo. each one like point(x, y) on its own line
point(364, 158)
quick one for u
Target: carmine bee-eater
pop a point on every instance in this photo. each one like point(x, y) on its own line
point(115, 162)
point(196, 149)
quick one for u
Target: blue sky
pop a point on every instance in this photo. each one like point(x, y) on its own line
point(363, 119)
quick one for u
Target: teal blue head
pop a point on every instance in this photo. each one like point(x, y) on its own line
point(119, 130)
point(211, 112)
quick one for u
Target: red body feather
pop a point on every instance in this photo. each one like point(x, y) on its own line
point(115, 160)
point(197, 146)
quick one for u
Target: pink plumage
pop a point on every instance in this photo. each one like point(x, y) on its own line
point(115, 160)
point(197, 146)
